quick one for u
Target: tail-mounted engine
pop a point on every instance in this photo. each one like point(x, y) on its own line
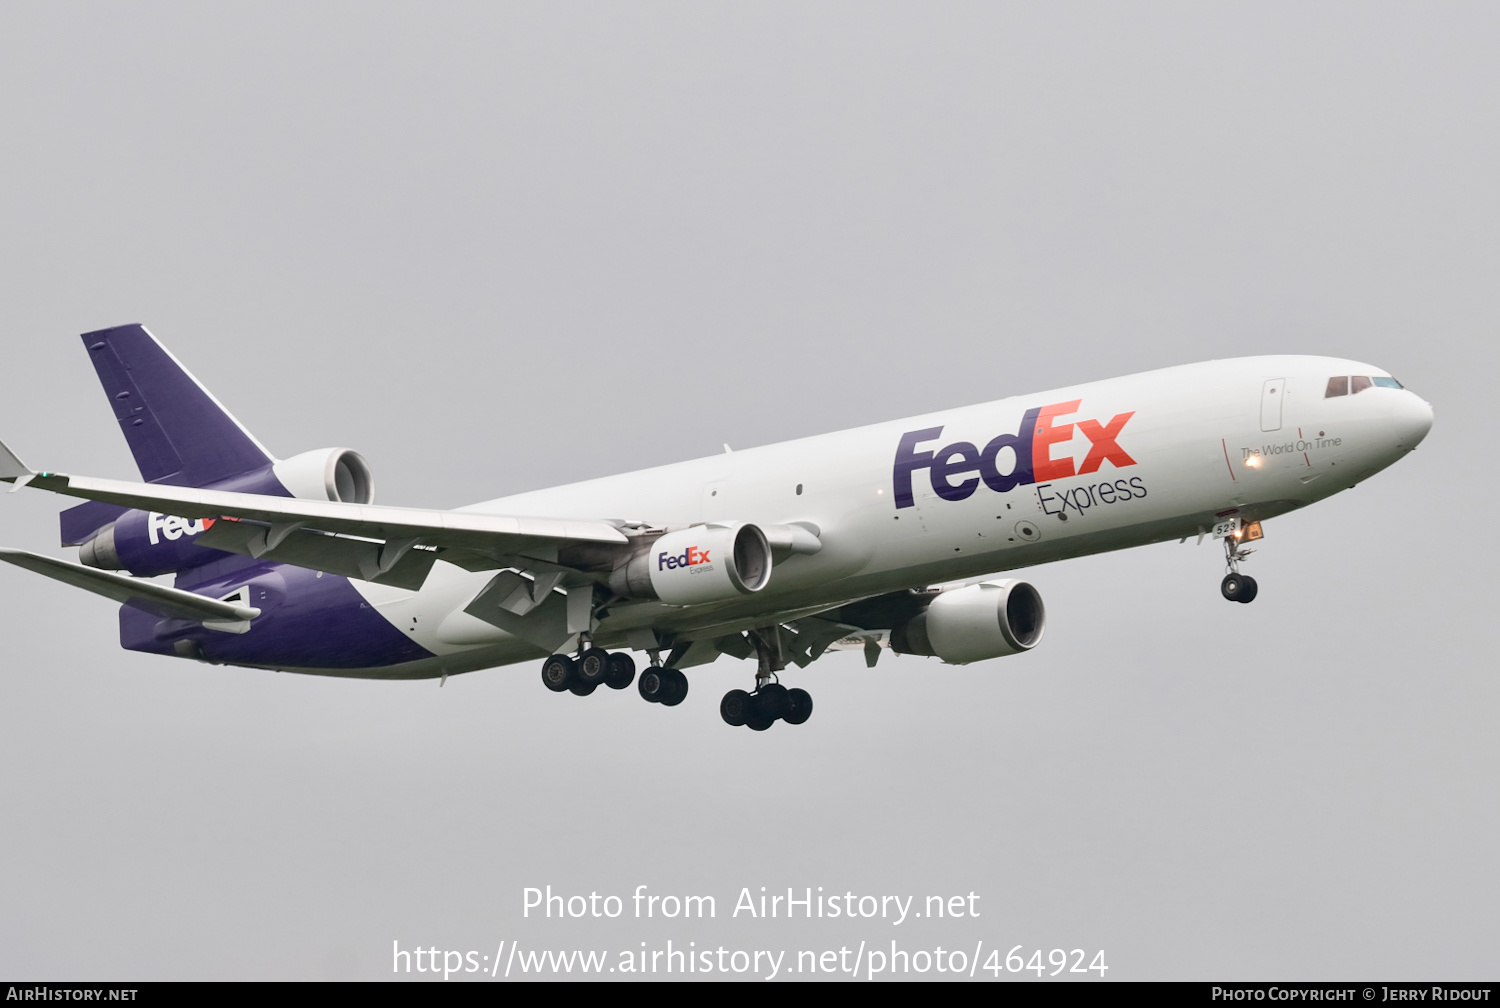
point(963, 625)
point(335, 474)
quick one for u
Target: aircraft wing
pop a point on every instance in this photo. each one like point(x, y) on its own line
point(157, 599)
point(472, 540)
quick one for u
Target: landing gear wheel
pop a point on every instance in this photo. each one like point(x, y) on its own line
point(558, 673)
point(799, 706)
point(676, 688)
point(1238, 587)
point(665, 686)
point(593, 666)
point(736, 707)
point(652, 685)
point(760, 720)
point(583, 689)
point(621, 671)
point(772, 699)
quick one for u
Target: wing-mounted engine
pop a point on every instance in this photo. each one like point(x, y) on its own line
point(962, 625)
point(702, 563)
point(148, 543)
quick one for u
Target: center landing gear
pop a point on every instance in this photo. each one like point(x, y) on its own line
point(1237, 587)
point(666, 686)
point(582, 675)
point(771, 701)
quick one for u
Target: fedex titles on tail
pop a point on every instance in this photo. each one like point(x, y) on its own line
point(1031, 455)
point(160, 526)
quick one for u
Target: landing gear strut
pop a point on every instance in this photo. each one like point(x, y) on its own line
point(770, 701)
point(1237, 587)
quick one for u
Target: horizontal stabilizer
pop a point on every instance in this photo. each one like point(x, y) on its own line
point(148, 596)
point(11, 468)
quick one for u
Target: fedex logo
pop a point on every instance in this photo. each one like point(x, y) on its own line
point(1029, 459)
point(691, 557)
point(160, 526)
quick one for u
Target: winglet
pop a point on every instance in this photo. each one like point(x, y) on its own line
point(12, 469)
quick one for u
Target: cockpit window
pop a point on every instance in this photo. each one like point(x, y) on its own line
point(1354, 384)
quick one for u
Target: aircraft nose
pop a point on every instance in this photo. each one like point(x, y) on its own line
point(1413, 419)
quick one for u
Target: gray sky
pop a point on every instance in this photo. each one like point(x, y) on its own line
point(500, 247)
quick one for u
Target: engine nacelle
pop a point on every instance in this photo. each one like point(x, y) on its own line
point(704, 563)
point(975, 623)
point(334, 474)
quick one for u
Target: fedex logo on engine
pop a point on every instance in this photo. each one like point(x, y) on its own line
point(690, 557)
point(1010, 460)
point(159, 525)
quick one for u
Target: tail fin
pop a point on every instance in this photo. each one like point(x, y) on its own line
point(178, 432)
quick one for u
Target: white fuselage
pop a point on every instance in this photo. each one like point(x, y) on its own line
point(1117, 463)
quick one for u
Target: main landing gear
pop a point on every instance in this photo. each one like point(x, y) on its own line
point(770, 701)
point(584, 674)
point(1237, 587)
point(594, 667)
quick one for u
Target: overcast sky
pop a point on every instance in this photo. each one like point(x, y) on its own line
point(498, 247)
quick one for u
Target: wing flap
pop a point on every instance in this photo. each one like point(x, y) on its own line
point(351, 558)
point(157, 599)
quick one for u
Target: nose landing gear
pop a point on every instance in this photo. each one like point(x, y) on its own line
point(1237, 587)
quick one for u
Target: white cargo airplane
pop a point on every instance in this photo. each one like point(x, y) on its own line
point(882, 536)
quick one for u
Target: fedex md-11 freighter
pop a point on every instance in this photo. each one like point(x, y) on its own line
point(883, 536)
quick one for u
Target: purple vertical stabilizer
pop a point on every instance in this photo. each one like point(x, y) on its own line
point(177, 431)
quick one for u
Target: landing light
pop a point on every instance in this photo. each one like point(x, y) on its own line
point(1253, 461)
